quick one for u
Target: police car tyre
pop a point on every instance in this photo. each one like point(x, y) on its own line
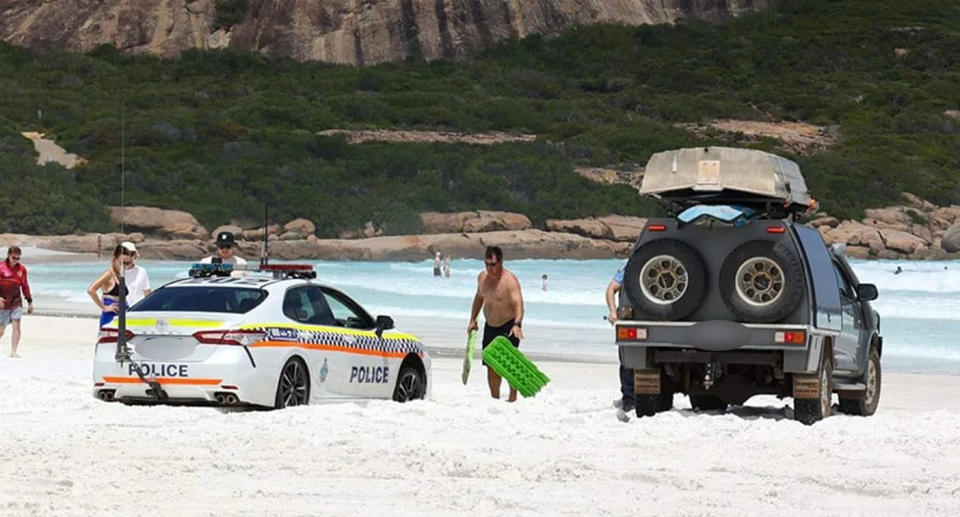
point(293, 387)
point(867, 405)
point(410, 384)
point(665, 279)
point(809, 411)
point(707, 403)
point(761, 282)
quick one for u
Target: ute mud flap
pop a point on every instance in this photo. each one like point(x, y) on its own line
point(646, 382)
point(806, 386)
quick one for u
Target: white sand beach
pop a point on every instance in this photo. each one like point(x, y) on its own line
point(561, 453)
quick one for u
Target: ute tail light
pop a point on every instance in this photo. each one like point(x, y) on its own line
point(109, 335)
point(776, 229)
point(631, 334)
point(230, 337)
point(656, 227)
point(794, 337)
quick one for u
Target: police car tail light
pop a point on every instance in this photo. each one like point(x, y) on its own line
point(796, 337)
point(230, 337)
point(108, 335)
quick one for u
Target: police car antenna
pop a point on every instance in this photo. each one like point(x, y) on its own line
point(264, 251)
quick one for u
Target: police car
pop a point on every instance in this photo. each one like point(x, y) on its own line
point(277, 340)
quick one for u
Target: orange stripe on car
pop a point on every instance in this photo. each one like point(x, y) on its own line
point(330, 348)
point(164, 380)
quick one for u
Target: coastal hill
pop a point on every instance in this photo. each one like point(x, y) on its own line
point(354, 32)
point(861, 94)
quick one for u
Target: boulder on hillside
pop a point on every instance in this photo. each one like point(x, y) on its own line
point(889, 215)
point(491, 221)
point(920, 204)
point(540, 244)
point(902, 242)
point(256, 234)
point(950, 214)
point(179, 249)
point(588, 227)
point(847, 232)
point(171, 224)
point(232, 228)
point(623, 227)
point(950, 242)
point(458, 245)
point(302, 226)
point(827, 221)
point(439, 222)
point(858, 252)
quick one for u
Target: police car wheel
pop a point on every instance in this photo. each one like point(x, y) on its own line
point(293, 387)
point(665, 279)
point(761, 282)
point(410, 385)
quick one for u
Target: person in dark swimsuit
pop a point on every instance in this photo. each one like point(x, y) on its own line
point(108, 283)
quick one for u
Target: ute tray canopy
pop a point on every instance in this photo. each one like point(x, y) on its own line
point(726, 175)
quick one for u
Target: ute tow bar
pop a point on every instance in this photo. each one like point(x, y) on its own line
point(123, 351)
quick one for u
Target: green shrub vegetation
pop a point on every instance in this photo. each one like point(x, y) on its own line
point(221, 133)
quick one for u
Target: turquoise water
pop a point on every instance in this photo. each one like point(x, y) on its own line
point(920, 320)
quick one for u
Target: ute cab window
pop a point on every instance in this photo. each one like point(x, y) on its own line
point(346, 312)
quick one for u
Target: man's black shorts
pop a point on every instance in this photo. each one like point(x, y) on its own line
point(491, 333)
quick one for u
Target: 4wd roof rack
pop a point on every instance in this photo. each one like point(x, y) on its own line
point(278, 271)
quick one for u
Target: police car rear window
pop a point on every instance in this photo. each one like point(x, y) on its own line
point(202, 299)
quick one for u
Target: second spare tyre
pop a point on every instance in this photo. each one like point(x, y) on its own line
point(761, 282)
point(665, 279)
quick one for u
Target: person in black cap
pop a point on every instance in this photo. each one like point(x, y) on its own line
point(225, 251)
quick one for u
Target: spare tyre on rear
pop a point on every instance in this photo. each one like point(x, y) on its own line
point(761, 282)
point(665, 279)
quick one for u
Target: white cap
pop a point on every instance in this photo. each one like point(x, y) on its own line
point(129, 246)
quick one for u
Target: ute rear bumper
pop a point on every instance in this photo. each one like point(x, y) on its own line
point(723, 342)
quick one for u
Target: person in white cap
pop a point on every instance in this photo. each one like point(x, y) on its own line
point(135, 277)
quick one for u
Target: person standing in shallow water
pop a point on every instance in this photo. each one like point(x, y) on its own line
point(500, 297)
point(446, 266)
point(437, 260)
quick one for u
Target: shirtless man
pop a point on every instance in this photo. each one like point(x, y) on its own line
point(498, 292)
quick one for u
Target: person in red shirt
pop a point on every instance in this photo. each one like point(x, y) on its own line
point(13, 280)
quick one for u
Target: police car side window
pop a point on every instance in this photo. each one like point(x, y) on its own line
point(306, 305)
point(345, 314)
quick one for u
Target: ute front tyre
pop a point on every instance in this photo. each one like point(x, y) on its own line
point(293, 387)
point(867, 405)
point(665, 279)
point(410, 384)
point(761, 282)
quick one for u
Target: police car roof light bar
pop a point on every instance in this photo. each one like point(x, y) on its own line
point(279, 271)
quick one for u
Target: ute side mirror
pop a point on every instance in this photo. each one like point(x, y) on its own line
point(867, 292)
point(383, 323)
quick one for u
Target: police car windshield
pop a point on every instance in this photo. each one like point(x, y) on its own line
point(235, 300)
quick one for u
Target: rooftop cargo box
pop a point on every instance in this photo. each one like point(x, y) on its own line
point(726, 175)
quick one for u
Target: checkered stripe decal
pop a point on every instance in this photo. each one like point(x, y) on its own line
point(363, 342)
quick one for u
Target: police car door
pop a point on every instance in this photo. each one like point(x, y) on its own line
point(370, 374)
point(307, 307)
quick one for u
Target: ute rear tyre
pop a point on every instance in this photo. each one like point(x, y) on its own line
point(809, 411)
point(871, 397)
point(707, 403)
point(761, 282)
point(665, 279)
point(293, 387)
point(410, 384)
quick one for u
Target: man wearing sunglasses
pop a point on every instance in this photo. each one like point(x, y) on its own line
point(13, 280)
point(498, 293)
